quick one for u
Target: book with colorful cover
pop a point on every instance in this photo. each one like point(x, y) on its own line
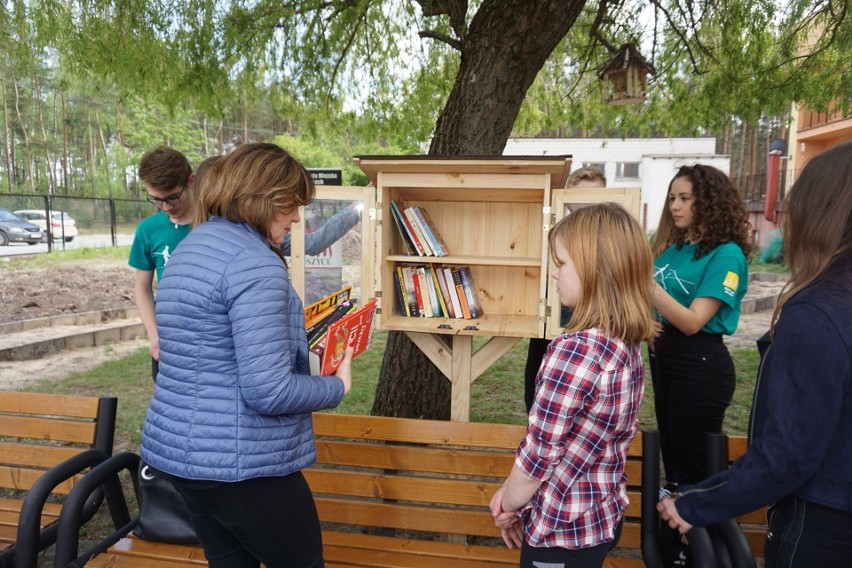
point(354, 329)
point(318, 331)
point(321, 309)
point(410, 292)
point(409, 229)
point(441, 289)
point(427, 231)
point(418, 231)
point(405, 237)
point(453, 295)
point(471, 292)
point(442, 246)
point(459, 284)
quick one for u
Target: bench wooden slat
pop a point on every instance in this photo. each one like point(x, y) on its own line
point(419, 489)
point(109, 560)
point(347, 549)
point(409, 458)
point(48, 429)
point(15, 505)
point(138, 550)
point(34, 455)
point(49, 404)
point(23, 478)
point(8, 534)
point(404, 517)
point(468, 434)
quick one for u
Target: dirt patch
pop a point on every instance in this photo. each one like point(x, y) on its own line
point(72, 287)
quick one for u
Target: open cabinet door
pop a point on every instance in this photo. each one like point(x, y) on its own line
point(566, 200)
point(334, 212)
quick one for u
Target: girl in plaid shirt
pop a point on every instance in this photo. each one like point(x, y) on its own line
point(563, 502)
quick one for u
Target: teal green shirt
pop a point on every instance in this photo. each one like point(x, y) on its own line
point(722, 274)
point(155, 240)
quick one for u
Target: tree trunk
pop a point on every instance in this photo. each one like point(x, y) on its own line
point(23, 124)
point(51, 179)
point(64, 147)
point(8, 140)
point(506, 46)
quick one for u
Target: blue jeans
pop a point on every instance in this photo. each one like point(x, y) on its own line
point(802, 534)
point(267, 519)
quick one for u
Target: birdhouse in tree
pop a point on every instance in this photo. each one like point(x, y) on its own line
point(626, 77)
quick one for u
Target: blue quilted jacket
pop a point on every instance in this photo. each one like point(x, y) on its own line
point(233, 399)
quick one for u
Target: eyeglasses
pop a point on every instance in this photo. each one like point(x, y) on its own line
point(171, 200)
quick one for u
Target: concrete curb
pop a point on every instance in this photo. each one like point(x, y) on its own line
point(83, 318)
point(121, 331)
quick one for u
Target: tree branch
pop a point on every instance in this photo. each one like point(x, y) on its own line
point(451, 41)
point(595, 29)
point(680, 34)
point(455, 9)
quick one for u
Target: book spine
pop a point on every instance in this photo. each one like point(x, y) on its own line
point(441, 244)
point(471, 292)
point(434, 293)
point(424, 292)
point(410, 292)
point(459, 283)
point(454, 297)
point(322, 327)
point(441, 286)
point(421, 250)
point(407, 244)
point(421, 238)
point(427, 231)
point(398, 288)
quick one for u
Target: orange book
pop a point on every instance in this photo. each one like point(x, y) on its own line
point(318, 311)
point(354, 329)
point(459, 284)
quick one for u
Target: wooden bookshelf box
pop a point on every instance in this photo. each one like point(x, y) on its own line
point(493, 213)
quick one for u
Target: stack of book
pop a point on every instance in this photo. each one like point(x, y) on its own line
point(437, 291)
point(333, 323)
point(418, 233)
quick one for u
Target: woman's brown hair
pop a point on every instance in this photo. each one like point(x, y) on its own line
point(613, 261)
point(819, 220)
point(719, 210)
point(251, 184)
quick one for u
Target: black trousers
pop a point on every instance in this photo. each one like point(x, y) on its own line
point(694, 381)
point(268, 519)
point(535, 353)
point(804, 535)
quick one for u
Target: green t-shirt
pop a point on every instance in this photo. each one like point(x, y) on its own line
point(722, 274)
point(155, 241)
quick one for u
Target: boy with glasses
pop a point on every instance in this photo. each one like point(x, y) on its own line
point(168, 179)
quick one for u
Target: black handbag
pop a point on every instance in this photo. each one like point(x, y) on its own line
point(162, 511)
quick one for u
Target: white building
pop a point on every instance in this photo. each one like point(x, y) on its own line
point(648, 163)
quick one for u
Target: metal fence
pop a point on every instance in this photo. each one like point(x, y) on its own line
point(92, 215)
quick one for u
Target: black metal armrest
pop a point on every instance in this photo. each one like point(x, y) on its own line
point(31, 539)
point(104, 477)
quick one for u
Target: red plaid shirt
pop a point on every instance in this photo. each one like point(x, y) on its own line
point(585, 414)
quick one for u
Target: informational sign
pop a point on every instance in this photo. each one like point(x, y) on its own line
point(326, 176)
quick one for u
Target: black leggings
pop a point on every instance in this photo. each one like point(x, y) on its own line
point(268, 519)
point(535, 354)
point(694, 380)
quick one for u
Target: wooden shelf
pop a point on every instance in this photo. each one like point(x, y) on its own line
point(489, 325)
point(464, 260)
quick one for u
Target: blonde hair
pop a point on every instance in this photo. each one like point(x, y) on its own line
point(614, 264)
point(586, 173)
point(251, 184)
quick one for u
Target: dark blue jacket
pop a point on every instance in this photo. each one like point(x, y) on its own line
point(801, 423)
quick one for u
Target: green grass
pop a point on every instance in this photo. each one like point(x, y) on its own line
point(58, 256)
point(496, 396)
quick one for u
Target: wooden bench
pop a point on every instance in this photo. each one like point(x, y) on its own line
point(46, 442)
point(390, 492)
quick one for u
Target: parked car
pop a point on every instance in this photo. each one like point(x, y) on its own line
point(57, 219)
point(14, 229)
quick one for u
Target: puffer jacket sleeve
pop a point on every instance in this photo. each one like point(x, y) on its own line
point(266, 335)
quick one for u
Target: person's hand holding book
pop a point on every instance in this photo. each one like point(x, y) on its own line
point(344, 371)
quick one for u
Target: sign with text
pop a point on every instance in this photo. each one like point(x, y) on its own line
point(326, 176)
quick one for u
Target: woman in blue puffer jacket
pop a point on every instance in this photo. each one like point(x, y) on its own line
point(230, 420)
point(799, 459)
